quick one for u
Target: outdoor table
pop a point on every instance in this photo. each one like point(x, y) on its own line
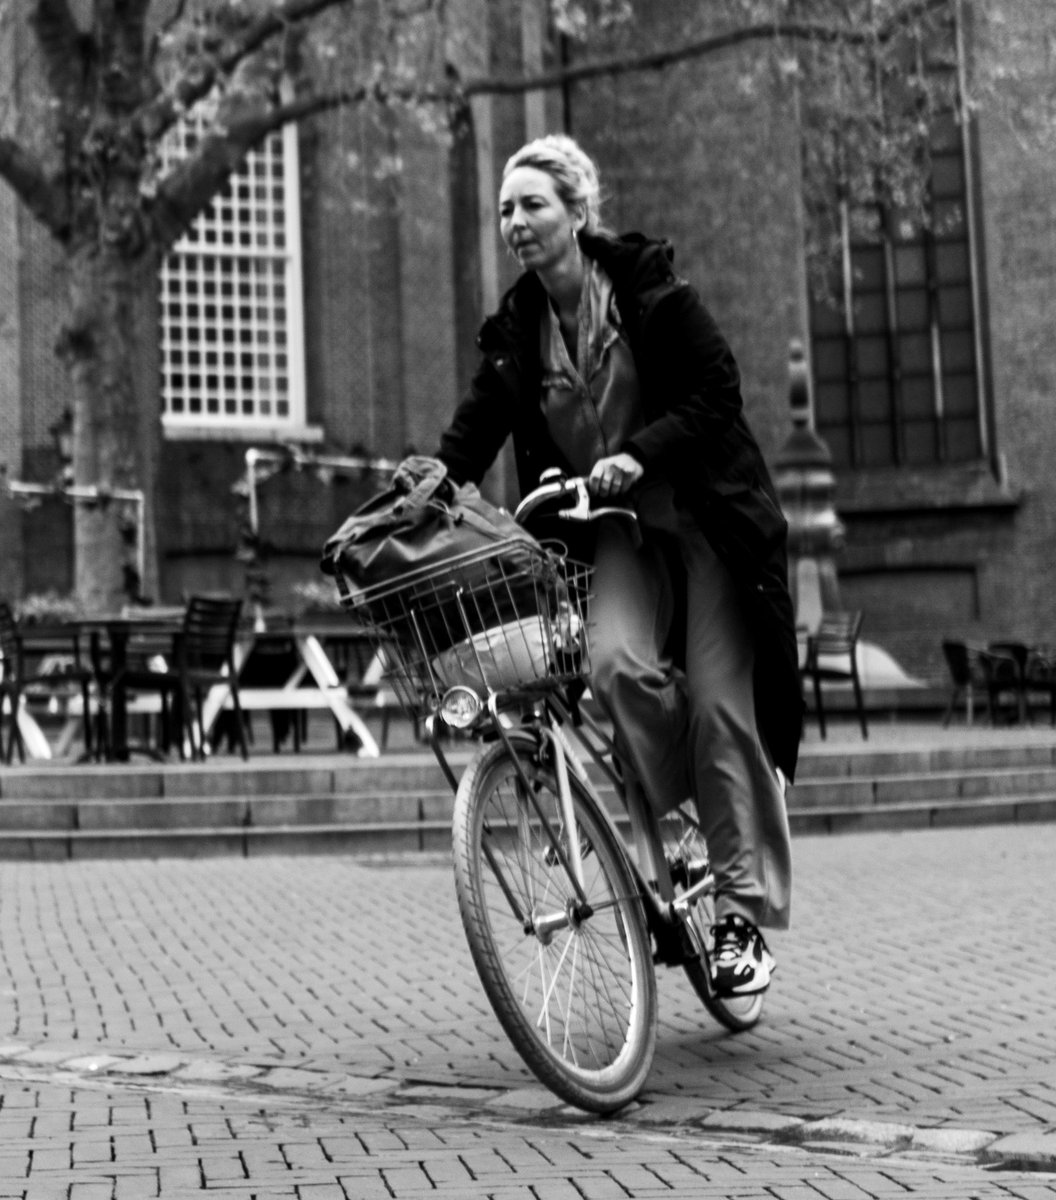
point(313, 683)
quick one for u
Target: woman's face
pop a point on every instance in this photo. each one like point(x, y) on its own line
point(535, 222)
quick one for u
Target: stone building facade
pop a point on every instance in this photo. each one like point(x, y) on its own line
point(398, 267)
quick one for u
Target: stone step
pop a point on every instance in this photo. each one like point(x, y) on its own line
point(361, 840)
point(866, 790)
point(390, 823)
point(824, 763)
point(924, 814)
point(305, 775)
point(257, 812)
point(318, 804)
point(433, 833)
point(416, 770)
point(428, 797)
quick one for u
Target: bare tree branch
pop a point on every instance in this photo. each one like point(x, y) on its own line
point(67, 55)
point(196, 83)
point(190, 186)
point(203, 76)
point(164, 27)
point(185, 191)
point(121, 41)
point(909, 14)
point(40, 195)
point(658, 59)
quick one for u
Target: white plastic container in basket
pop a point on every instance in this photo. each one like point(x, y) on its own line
point(499, 658)
point(518, 653)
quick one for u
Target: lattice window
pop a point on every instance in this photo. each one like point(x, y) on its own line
point(231, 305)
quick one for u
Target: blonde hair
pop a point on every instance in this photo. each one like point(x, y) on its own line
point(573, 171)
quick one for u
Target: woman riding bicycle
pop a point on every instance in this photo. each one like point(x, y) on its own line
point(602, 362)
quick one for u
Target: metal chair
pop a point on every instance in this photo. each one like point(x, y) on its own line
point(143, 666)
point(272, 660)
point(967, 677)
point(832, 656)
point(41, 664)
point(1009, 669)
point(197, 658)
point(205, 655)
point(981, 672)
point(1039, 678)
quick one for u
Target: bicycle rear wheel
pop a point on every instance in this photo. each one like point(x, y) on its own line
point(684, 843)
point(572, 983)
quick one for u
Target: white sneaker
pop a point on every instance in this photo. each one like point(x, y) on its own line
point(741, 963)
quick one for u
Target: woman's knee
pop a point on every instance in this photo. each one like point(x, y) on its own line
point(613, 672)
point(719, 718)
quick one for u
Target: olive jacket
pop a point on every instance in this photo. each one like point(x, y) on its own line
point(696, 437)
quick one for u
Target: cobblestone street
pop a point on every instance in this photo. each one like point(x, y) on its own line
point(313, 1027)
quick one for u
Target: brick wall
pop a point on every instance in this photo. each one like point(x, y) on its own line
point(1018, 190)
point(704, 154)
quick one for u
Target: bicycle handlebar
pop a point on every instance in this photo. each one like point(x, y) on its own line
point(567, 498)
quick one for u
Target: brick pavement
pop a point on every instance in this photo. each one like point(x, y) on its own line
point(312, 1027)
point(108, 1141)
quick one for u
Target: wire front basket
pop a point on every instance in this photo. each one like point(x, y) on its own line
point(508, 619)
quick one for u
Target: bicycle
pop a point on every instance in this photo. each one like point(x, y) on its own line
point(566, 915)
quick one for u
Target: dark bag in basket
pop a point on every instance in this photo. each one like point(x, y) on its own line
point(421, 520)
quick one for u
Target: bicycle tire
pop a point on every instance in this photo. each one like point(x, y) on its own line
point(736, 1013)
point(579, 1006)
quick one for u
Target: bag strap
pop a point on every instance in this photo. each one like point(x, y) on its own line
point(422, 477)
point(478, 521)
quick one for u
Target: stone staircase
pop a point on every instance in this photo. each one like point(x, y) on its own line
point(973, 780)
point(401, 803)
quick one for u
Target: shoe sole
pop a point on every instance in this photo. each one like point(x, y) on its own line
point(736, 993)
point(751, 989)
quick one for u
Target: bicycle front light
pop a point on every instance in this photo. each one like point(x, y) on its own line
point(460, 707)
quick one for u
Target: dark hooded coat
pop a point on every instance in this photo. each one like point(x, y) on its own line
point(695, 436)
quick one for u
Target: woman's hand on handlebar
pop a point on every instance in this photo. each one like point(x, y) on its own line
point(614, 475)
point(570, 499)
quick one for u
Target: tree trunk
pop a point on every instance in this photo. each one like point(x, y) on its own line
point(111, 350)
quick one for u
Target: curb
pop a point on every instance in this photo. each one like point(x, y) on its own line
point(1032, 1151)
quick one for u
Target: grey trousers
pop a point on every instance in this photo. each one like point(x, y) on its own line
point(692, 733)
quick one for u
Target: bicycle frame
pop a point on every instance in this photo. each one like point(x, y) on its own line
point(552, 724)
point(666, 913)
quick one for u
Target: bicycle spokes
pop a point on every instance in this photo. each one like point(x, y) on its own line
point(564, 958)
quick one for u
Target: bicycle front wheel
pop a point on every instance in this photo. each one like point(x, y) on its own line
point(568, 970)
